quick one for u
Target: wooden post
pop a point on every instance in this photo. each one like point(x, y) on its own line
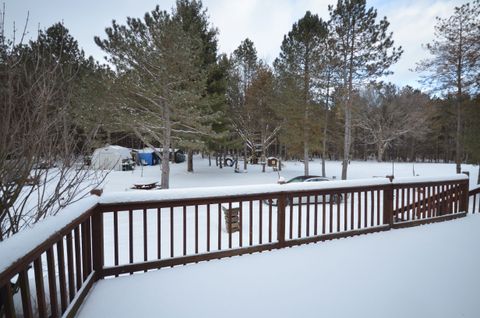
point(388, 205)
point(464, 198)
point(281, 219)
point(97, 243)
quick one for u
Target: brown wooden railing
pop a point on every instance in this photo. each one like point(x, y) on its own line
point(474, 200)
point(115, 239)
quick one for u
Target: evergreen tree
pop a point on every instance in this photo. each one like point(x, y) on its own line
point(161, 79)
point(455, 64)
point(194, 21)
point(297, 68)
point(243, 67)
point(366, 51)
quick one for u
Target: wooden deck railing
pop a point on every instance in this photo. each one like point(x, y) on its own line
point(475, 200)
point(115, 239)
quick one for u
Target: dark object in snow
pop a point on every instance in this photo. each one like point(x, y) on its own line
point(231, 218)
point(97, 192)
point(145, 186)
point(128, 165)
point(334, 199)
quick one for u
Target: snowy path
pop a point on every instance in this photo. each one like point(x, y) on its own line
point(426, 271)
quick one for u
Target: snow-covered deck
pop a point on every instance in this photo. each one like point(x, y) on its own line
point(426, 271)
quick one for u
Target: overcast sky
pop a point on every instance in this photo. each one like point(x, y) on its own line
point(263, 21)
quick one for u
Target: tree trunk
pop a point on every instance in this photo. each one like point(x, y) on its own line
point(346, 144)
point(458, 147)
point(190, 161)
point(209, 159)
point(245, 157)
point(380, 151)
point(167, 131)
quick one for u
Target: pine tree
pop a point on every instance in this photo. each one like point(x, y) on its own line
point(297, 70)
point(160, 79)
point(366, 51)
point(455, 64)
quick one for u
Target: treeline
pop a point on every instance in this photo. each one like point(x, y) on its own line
point(166, 85)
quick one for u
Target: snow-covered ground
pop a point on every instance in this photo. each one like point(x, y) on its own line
point(426, 271)
point(206, 176)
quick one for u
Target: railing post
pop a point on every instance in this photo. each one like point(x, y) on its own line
point(388, 205)
point(97, 243)
point(281, 219)
point(464, 198)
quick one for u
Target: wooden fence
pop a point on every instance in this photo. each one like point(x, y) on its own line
point(122, 238)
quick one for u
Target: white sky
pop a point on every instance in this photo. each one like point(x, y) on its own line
point(263, 21)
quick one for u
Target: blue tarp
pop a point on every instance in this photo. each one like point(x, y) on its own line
point(146, 158)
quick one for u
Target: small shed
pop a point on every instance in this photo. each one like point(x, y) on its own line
point(110, 157)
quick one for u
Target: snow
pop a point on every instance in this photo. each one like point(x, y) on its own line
point(18, 245)
point(425, 271)
point(206, 176)
point(455, 177)
point(206, 192)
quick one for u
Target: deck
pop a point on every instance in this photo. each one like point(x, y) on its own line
point(426, 271)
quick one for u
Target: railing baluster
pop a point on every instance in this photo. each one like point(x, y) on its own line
point(457, 197)
point(220, 227)
point(184, 230)
point(429, 202)
point(115, 238)
point(78, 261)
point(270, 221)
point(403, 205)
point(25, 292)
point(372, 207)
point(159, 233)
point(172, 233)
point(61, 275)
point(229, 218)
point(324, 212)
point(308, 216)
point(145, 236)
point(408, 204)
point(290, 199)
point(365, 209)
point(241, 222)
point(52, 284)
point(378, 207)
point(397, 199)
point(196, 228)
point(250, 221)
point(315, 217)
point(299, 216)
point(330, 212)
point(359, 212)
point(40, 288)
point(352, 211)
point(6, 298)
point(71, 273)
point(474, 203)
point(260, 221)
point(332, 198)
point(208, 227)
point(345, 214)
point(130, 236)
point(84, 251)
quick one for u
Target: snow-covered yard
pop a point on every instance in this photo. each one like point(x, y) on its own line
point(426, 271)
point(205, 176)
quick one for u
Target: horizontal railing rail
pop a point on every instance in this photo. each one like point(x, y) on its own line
point(137, 232)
